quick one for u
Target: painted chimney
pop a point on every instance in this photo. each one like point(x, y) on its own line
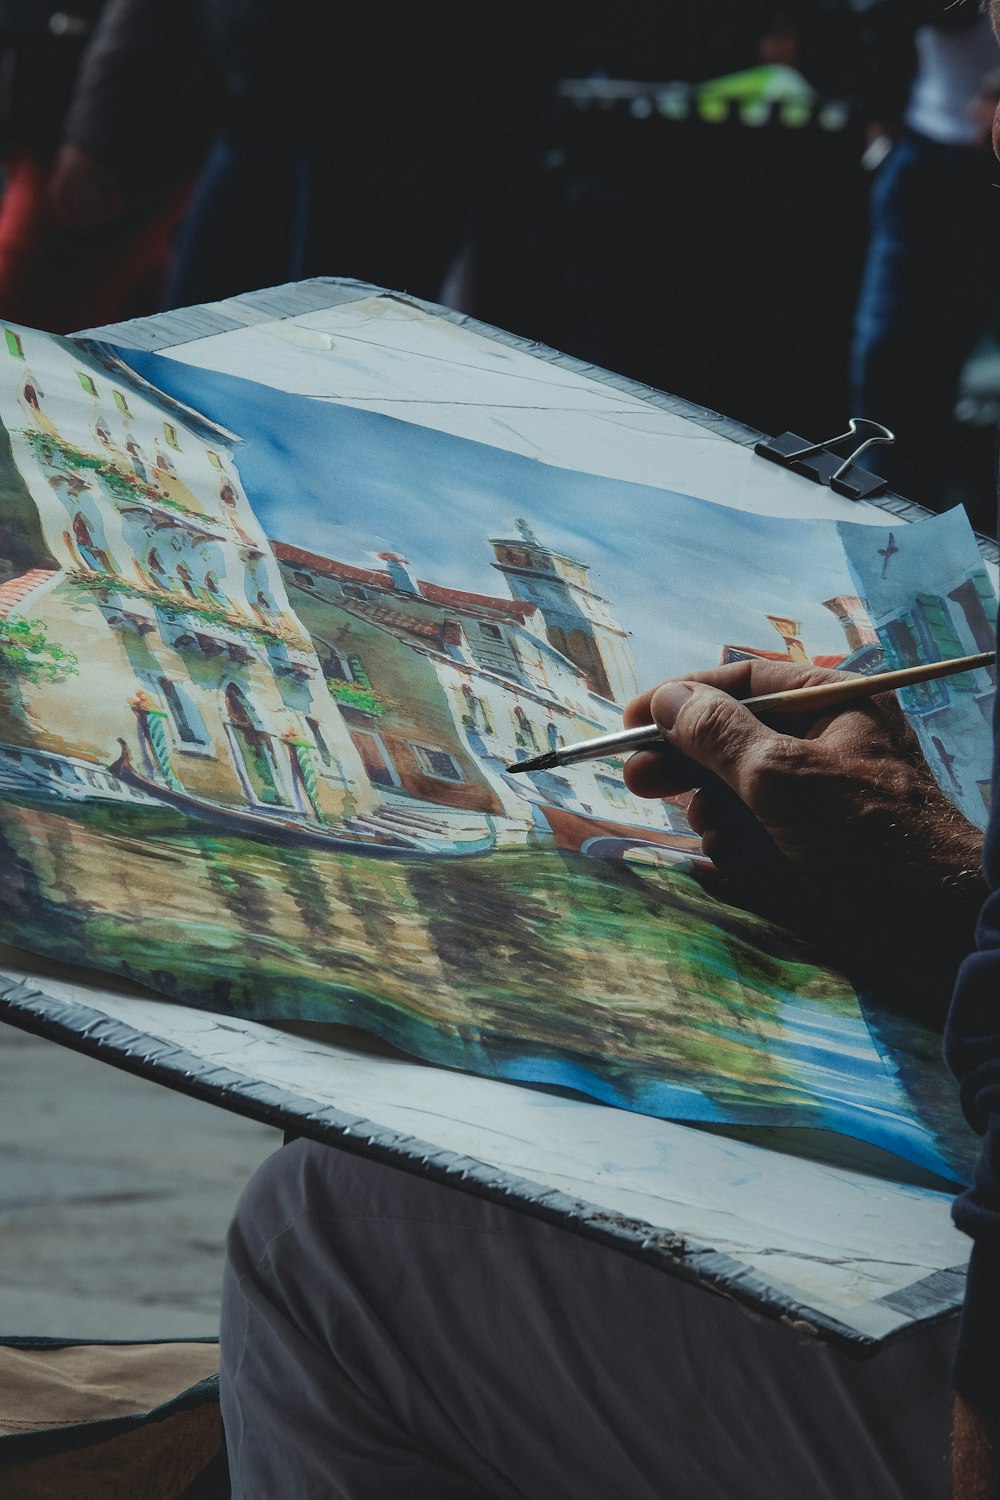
point(396, 566)
point(789, 632)
point(853, 615)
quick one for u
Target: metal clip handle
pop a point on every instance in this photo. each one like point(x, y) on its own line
point(881, 434)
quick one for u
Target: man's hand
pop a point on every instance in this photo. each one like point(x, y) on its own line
point(832, 824)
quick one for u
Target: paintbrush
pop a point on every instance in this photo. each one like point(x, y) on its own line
point(793, 701)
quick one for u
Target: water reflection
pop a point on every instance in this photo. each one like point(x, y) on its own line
point(646, 990)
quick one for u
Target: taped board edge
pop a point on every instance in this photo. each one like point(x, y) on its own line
point(161, 331)
point(112, 1041)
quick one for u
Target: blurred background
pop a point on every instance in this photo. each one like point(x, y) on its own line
point(785, 212)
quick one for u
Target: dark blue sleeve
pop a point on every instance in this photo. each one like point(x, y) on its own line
point(972, 1047)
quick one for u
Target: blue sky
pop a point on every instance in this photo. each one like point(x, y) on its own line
point(685, 576)
point(911, 567)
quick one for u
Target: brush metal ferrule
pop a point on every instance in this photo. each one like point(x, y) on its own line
point(621, 742)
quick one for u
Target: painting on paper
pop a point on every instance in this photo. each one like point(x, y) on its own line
point(264, 662)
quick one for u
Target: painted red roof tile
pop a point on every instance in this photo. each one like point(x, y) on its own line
point(16, 589)
point(298, 557)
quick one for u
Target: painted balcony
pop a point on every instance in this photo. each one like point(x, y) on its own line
point(290, 661)
point(169, 515)
point(127, 613)
point(190, 630)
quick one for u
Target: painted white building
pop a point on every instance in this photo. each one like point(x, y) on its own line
point(161, 584)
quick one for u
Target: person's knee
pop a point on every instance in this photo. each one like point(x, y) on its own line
point(284, 1187)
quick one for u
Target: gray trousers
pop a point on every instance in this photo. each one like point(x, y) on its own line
point(383, 1336)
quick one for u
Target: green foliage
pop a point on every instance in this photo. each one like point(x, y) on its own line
point(120, 484)
point(26, 650)
point(183, 604)
point(358, 695)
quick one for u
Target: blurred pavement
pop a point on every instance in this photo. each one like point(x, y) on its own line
point(115, 1195)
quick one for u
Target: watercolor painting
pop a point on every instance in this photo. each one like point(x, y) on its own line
point(264, 661)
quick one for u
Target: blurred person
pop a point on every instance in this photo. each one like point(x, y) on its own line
point(94, 186)
point(927, 290)
point(355, 140)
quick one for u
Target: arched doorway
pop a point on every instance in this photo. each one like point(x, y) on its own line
point(251, 745)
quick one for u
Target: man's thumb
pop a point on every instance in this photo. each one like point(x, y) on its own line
point(711, 728)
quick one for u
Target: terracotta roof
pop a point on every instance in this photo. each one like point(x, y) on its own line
point(458, 598)
point(298, 557)
point(757, 653)
point(15, 589)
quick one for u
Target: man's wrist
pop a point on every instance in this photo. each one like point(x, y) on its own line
point(973, 1455)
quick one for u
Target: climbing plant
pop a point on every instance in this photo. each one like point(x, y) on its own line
point(27, 651)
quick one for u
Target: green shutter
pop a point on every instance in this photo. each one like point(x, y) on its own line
point(86, 382)
point(170, 433)
point(13, 343)
point(122, 404)
point(987, 593)
point(937, 618)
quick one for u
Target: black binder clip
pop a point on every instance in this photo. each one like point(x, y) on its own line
point(819, 461)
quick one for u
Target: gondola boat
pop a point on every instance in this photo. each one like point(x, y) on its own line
point(279, 828)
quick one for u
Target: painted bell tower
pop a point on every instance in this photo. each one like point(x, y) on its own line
point(578, 622)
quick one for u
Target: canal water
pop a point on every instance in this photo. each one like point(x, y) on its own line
point(627, 982)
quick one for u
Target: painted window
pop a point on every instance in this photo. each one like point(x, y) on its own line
point(212, 584)
point(336, 666)
point(613, 790)
point(122, 404)
point(903, 647)
point(976, 600)
point(304, 580)
point(184, 574)
point(239, 710)
point(86, 382)
point(320, 741)
point(186, 719)
point(476, 715)
point(213, 458)
point(493, 631)
point(94, 557)
point(437, 763)
point(937, 619)
point(158, 572)
point(375, 758)
point(353, 591)
point(524, 732)
point(170, 433)
point(13, 342)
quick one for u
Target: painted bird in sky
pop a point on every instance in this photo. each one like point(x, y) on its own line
point(889, 550)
